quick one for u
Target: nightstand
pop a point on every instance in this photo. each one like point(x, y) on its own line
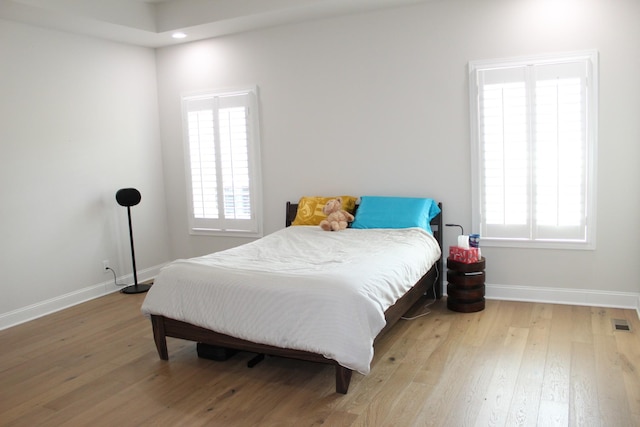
point(465, 290)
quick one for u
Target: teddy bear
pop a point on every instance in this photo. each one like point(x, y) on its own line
point(337, 218)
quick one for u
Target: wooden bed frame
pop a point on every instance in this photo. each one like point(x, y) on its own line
point(430, 284)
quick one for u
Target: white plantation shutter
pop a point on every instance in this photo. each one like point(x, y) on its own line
point(223, 154)
point(202, 159)
point(533, 133)
point(505, 154)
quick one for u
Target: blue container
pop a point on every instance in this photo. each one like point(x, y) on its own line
point(474, 240)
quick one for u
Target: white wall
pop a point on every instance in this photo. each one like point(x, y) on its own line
point(79, 121)
point(377, 103)
point(373, 103)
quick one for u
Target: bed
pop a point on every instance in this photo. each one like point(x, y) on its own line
point(307, 311)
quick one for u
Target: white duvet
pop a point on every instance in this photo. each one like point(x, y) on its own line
point(301, 288)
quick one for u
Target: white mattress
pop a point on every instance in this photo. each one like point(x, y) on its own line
point(301, 288)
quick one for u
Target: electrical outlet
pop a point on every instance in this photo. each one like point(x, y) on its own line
point(105, 265)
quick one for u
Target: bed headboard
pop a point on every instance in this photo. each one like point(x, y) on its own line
point(436, 223)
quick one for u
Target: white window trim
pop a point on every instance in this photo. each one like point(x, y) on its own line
point(592, 137)
point(195, 227)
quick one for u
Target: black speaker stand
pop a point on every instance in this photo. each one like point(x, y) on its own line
point(130, 197)
point(135, 289)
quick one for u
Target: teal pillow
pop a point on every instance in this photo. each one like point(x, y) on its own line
point(395, 212)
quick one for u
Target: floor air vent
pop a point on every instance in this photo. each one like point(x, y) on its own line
point(621, 325)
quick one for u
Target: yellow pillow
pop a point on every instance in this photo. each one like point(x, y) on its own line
point(310, 209)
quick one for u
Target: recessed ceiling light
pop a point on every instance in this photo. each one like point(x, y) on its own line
point(178, 35)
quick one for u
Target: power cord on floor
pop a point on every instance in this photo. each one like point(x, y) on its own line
point(115, 282)
point(433, 289)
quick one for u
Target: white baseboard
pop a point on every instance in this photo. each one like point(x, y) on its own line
point(25, 314)
point(628, 300)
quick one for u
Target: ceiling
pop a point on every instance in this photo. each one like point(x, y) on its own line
point(151, 23)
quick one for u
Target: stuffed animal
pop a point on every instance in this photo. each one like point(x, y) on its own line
point(337, 218)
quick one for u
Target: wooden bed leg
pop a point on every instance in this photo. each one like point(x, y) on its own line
point(343, 378)
point(159, 337)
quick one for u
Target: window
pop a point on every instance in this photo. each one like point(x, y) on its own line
point(222, 162)
point(533, 132)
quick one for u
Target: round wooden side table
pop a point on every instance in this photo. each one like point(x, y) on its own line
point(465, 290)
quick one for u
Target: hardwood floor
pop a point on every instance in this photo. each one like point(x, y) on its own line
point(511, 364)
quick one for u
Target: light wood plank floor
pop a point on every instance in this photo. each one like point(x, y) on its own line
point(511, 364)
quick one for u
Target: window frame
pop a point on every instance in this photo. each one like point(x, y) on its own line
point(590, 59)
point(219, 227)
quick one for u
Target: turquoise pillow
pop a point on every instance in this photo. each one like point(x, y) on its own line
point(395, 212)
